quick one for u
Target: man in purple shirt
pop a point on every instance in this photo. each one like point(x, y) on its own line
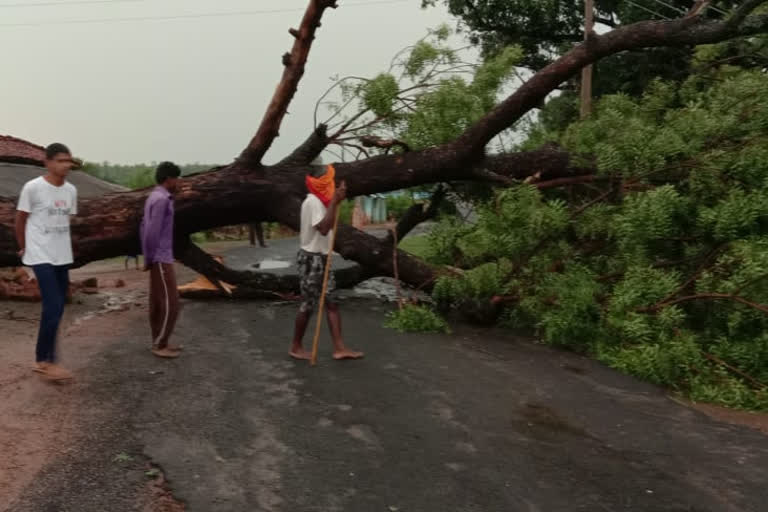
point(157, 247)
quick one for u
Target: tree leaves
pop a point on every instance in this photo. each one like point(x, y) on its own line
point(379, 94)
point(686, 214)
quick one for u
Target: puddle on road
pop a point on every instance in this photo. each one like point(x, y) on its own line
point(271, 264)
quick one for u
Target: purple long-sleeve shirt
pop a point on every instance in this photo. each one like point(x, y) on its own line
point(157, 227)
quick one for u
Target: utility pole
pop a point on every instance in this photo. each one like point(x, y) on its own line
point(586, 73)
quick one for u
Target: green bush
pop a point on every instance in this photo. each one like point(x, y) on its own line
point(417, 245)
point(345, 212)
point(414, 318)
point(398, 205)
point(199, 238)
point(660, 267)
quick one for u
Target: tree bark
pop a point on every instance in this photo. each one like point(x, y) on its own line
point(248, 284)
point(294, 63)
point(308, 150)
point(416, 215)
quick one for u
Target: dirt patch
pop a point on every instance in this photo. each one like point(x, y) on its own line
point(35, 416)
point(38, 419)
point(755, 420)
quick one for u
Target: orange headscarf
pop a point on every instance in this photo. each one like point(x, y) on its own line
point(323, 187)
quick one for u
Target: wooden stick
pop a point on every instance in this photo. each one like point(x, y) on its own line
point(313, 361)
point(394, 267)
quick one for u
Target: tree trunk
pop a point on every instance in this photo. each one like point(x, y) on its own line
point(246, 191)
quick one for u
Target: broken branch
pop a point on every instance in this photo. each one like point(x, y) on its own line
point(294, 69)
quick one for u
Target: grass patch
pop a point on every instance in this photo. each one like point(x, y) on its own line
point(417, 245)
point(416, 319)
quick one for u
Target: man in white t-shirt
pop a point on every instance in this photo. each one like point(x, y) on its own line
point(318, 212)
point(42, 231)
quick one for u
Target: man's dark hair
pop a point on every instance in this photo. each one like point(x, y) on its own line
point(166, 170)
point(55, 149)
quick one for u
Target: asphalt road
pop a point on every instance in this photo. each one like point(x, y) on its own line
point(475, 421)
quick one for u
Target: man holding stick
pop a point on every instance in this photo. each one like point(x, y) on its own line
point(318, 213)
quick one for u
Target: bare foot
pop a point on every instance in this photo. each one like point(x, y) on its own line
point(41, 367)
point(300, 354)
point(164, 353)
point(56, 373)
point(175, 348)
point(347, 354)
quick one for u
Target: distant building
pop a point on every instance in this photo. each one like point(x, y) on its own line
point(21, 161)
point(371, 209)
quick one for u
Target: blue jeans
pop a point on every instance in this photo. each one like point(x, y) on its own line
point(53, 281)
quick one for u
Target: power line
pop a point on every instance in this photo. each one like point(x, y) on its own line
point(643, 8)
point(64, 4)
point(717, 9)
point(186, 16)
point(683, 11)
point(674, 8)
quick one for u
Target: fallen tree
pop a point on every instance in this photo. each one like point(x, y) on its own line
point(247, 190)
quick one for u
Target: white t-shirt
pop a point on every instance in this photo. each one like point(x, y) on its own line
point(47, 234)
point(312, 212)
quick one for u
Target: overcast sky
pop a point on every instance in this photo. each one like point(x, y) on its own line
point(186, 89)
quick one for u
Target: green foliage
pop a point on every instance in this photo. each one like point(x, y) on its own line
point(380, 93)
point(737, 214)
point(429, 95)
point(417, 245)
point(345, 212)
point(443, 114)
point(141, 179)
point(646, 217)
point(443, 241)
point(199, 238)
point(421, 56)
point(414, 318)
point(397, 205)
point(482, 282)
point(660, 267)
point(134, 176)
point(671, 362)
point(493, 73)
point(510, 227)
point(122, 457)
point(545, 29)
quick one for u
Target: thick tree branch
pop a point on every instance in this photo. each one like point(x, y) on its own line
point(742, 12)
point(646, 34)
point(371, 141)
point(417, 214)
point(257, 285)
point(294, 63)
point(564, 182)
point(754, 381)
point(549, 161)
point(707, 296)
point(492, 177)
point(308, 150)
point(108, 226)
point(247, 284)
